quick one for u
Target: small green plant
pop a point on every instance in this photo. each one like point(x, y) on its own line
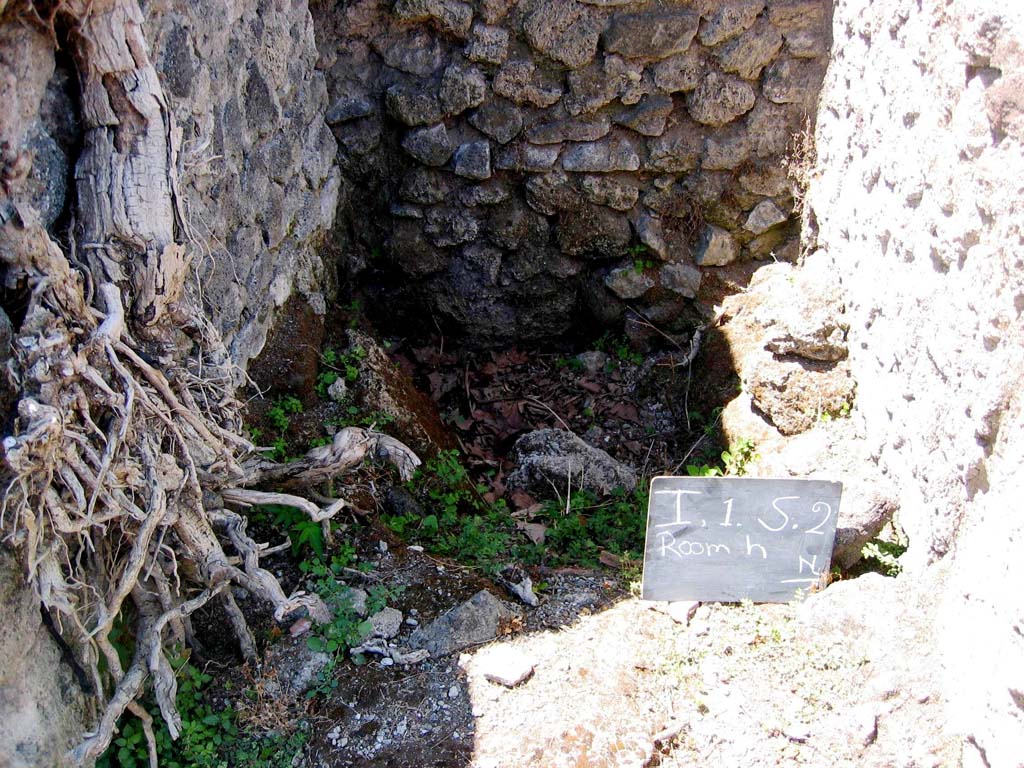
point(734, 462)
point(280, 413)
point(843, 413)
point(305, 534)
point(572, 363)
point(740, 455)
point(624, 353)
point(210, 738)
point(884, 556)
point(640, 265)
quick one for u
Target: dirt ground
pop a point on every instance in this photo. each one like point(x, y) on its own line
point(617, 681)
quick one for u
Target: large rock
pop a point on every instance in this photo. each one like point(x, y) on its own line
point(425, 186)
point(596, 86)
point(720, 99)
point(629, 283)
point(765, 215)
point(499, 119)
point(614, 154)
point(528, 157)
point(462, 88)
point(611, 191)
point(488, 45)
point(480, 619)
point(681, 72)
point(552, 192)
point(651, 35)
point(795, 393)
point(748, 54)
point(649, 116)
point(520, 81)
point(473, 160)
point(571, 129)
point(793, 81)
point(594, 231)
point(717, 248)
point(728, 20)
point(565, 31)
point(431, 146)
point(453, 16)
point(41, 700)
point(810, 322)
point(450, 226)
point(678, 150)
point(413, 106)
point(555, 458)
point(681, 278)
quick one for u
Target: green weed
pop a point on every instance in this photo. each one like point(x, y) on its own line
point(209, 738)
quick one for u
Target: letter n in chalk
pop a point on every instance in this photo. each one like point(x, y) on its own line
point(751, 546)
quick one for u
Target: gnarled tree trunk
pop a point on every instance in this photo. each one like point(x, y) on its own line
point(126, 456)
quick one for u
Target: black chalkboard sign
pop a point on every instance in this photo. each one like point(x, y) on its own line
point(729, 539)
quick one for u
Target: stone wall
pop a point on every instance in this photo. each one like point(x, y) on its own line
point(918, 202)
point(520, 167)
point(257, 169)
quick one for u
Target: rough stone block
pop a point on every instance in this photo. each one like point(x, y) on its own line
point(594, 231)
point(717, 248)
point(649, 116)
point(528, 157)
point(424, 186)
point(564, 31)
point(677, 150)
point(806, 43)
point(552, 192)
point(679, 73)
point(770, 127)
point(615, 154)
point(480, 619)
point(462, 88)
point(720, 99)
point(629, 283)
point(417, 52)
point(519, 81)
point(450, 226)
point(413, 106)
point(491, 193)
point(431, 146)
point(348, 108)
point(680, 278)
point(794, 392)
point(728, 20)
point(651, 35)
point(765, 215)
point(725, 150)
point(452, 16)
point(789, 15)
point(557, 131)
point(793, 81)
point(610, 191)
point(473, 160)
point(748, 54)
point(407, 247)
point(499, 119)
point(488, 45)
point(552, 456)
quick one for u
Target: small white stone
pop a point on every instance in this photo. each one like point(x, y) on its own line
point(504, 665)
point(387, 661)
point(453, 692)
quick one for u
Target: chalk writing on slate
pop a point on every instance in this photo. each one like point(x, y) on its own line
point(728, 539)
